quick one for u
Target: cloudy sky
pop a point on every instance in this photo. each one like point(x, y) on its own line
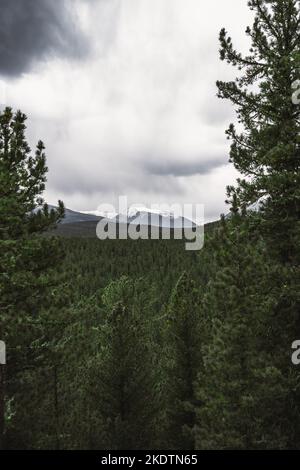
point(123, 94)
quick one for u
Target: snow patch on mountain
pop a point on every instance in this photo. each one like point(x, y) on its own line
point(141, 215)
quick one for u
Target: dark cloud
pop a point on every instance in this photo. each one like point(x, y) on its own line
point(184, 168)
point(30, 30)
point(93, 181)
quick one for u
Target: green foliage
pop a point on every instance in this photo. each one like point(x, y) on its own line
point(266, 152)
point(121, 382)
point(25, 258)
point(183, 363)
point(249, 391)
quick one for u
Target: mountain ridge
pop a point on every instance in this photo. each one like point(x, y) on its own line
point(136, 216)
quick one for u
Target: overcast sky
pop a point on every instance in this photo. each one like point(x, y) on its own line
point(122, 92)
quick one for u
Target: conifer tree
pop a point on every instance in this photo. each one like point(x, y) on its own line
point(121, 383)
point(266, 152)
point(247, 386)
point(250, 388)
point(25, 257)
point(259, 248)
point(183, 363)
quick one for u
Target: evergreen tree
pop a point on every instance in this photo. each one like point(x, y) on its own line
point(266, 152)
point(25, 257)
point(248, 385)
point(183, 357)
point(252, 306)
point(122, 385)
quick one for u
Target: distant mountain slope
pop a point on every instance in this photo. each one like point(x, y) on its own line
point(144, 216)
point(88, 230)
point(73, 217)
point(134, 216)
point(85, 229)
point(155, 219)
point(78, 224)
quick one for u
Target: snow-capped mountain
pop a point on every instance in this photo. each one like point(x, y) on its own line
point(151, 217)
point(135, 215)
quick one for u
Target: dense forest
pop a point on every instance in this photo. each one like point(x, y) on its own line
point(124, 344)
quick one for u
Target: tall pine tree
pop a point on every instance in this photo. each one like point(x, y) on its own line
point(183, 363)
point(267, 151)
point(121, 383)
point(25, 257)
point(250, 393)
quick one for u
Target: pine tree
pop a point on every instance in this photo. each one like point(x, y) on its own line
point(25, 257)
point(183, 363)
point(121, 384)
point(267, 151)
point(252, 307)
point(248, 386)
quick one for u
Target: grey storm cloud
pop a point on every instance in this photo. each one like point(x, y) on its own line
point(32, 29)
point(136, 112)
point(184, 168)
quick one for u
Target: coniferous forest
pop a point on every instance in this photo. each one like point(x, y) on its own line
point(124, 344)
